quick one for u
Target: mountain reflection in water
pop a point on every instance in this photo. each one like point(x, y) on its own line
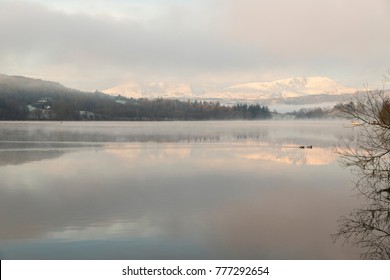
point(171, 190)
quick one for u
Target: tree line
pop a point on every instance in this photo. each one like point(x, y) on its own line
point(24, 98)
point(75, 105)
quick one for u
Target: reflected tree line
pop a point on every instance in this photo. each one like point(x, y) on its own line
point(62, 137)
point(368, 155)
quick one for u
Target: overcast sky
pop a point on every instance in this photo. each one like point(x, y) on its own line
point(102, 43)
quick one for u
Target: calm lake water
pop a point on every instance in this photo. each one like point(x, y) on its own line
point(172, 190)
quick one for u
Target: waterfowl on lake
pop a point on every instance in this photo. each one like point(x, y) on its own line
point(307, 147)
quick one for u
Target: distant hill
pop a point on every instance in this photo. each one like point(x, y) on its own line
point(28, 98)
point(20, 84)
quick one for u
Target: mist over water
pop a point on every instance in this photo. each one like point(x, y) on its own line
point(172, 190)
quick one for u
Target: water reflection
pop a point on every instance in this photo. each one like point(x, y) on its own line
point(368, 226)
point(20, 157)
point(242, 191)
point(321, 133)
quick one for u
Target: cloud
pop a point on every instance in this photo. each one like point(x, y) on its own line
point(310, 27)
point(102, 45)
point(333, 35)
point(99, 44)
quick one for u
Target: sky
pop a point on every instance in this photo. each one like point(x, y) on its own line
point(95, 45)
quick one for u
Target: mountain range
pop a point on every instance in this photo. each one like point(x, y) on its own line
point(291, 88)
point(283, 96)
point(283, 91)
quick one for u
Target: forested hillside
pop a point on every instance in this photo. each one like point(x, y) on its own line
point(24, 98)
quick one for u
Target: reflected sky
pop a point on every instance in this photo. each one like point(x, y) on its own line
point(171, 190)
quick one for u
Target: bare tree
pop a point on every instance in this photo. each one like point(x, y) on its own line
point(368, 155)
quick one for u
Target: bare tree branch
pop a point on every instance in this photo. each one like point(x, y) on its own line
point(368, 156)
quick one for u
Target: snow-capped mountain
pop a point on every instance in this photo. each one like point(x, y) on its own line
point(287, 88)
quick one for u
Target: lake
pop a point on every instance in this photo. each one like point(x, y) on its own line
point(172, 190)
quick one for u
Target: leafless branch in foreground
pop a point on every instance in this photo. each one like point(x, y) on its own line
point(367, 154)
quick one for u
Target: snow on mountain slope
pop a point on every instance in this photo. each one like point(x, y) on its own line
point(287, 88)
point(293, 87)
point(151, 90)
